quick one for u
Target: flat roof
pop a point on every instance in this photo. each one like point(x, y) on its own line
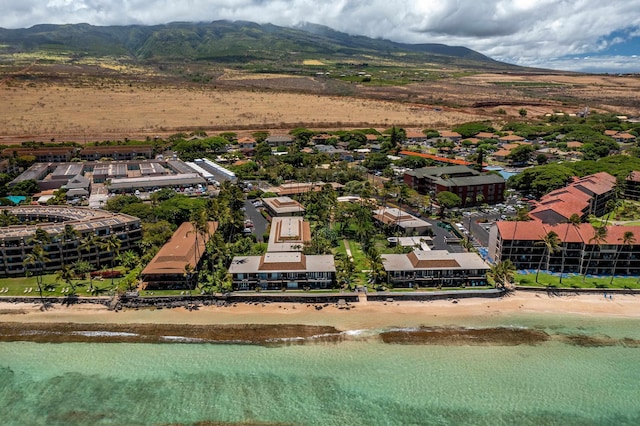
point(150, 181)
point(282, 262)
point(395, 216)
point(288, 234)
point(282, 205)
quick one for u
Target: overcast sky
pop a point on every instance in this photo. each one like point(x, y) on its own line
point(593, 35)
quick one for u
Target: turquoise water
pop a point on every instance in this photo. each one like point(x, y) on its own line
point(359, 382)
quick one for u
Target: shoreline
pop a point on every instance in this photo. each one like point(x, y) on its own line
point(353, 316)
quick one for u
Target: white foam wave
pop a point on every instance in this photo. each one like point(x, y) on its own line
point(182, 339)
point(100, 333)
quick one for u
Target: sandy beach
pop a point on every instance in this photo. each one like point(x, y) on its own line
point(367, 315)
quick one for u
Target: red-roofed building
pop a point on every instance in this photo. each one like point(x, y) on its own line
point(486, 135)
point(454, 136)
point(624, 137)
point(583, 196)
point(579, 252)
point(437, 159)
point(632, 186)
point(511, 139)
point(168, 268)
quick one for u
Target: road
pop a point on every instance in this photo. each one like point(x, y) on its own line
point(260, 224)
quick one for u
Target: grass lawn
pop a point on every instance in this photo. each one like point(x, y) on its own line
point(575, 281)
point(18, 285)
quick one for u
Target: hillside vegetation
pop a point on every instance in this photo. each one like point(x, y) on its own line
point(240, 43)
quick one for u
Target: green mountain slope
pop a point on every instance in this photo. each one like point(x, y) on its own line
point(232, 42)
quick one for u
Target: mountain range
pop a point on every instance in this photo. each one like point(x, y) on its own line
point(235, 42)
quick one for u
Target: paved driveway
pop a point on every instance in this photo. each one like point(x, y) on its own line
point(259, 222)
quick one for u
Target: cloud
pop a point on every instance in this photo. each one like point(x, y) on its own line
point(518, 31)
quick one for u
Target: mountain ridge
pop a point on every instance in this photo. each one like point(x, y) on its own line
point(232, 42)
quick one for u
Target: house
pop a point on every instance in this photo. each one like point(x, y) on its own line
point(247, 146)
point(435, 268)
point(246, 143)
point(78, 186)
point(625, 138)
point(511, 139)
point(485, 135)
point(413, 136)
point(172, 266)
point(409, 224)
point(453, 136)
point(470, 185)
point(283, 206)
point(282, 270)
point(501, 154)
point(279, 140)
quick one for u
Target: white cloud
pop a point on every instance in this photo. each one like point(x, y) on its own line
point(519, 31)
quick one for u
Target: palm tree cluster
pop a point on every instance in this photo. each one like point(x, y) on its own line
point(502, 273)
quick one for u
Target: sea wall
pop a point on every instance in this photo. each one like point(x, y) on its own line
point(389, 296)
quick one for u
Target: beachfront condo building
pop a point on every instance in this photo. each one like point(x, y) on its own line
point(435, 268)
point(580, 250)
point(62, 248)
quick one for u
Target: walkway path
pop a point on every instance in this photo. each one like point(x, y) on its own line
point(347, 249)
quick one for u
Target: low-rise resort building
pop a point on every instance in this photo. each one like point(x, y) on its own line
point(175, 264)
point(283, 206)
point(470, 185)
point(408, 223)
point(284, 266)
point(435, 268)
point(17, 241)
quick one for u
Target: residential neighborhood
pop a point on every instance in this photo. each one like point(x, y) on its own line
point(334, 208)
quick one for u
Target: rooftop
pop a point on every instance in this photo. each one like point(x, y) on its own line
point(433, 260)
point(282, 262)
point(179, 251)
point(288, 234)
point(81, 218)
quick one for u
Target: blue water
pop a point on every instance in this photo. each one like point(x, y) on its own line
point(359, 382)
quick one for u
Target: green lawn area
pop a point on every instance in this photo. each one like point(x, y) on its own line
point(18, 285)
point(575, 281)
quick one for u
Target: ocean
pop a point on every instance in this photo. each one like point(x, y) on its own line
point(585, 372)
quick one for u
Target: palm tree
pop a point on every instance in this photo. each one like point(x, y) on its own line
point(112, 245)
point(66, 274)
point(551, 243)
point(628, 239)
point(200, 224)
point(188, 274)
point(129, 259)
point(89, 243)
point(599, 236)
point(69, 233)
point(376, 267)
point(37, 258)
point(574, 221)
point(502, 273)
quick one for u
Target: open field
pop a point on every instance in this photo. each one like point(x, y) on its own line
point(46, 110)
point(101, 101)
